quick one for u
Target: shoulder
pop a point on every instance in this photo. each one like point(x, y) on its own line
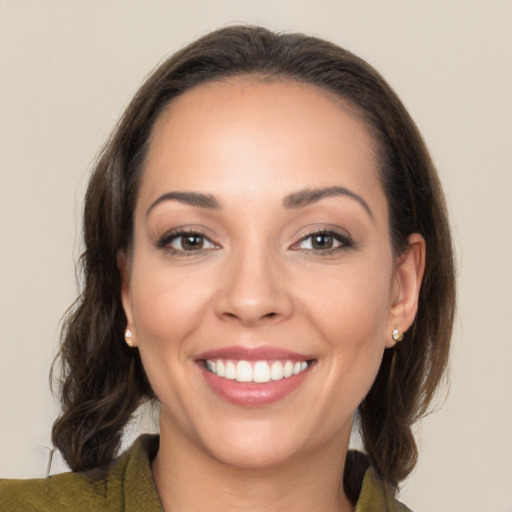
point(126, 485)
point(366, 489)
point(376, 496)
point(56, 493)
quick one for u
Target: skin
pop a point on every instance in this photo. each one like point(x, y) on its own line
point(258, 280)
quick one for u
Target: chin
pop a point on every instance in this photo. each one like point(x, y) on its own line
point(253, 455)
point(265, 444)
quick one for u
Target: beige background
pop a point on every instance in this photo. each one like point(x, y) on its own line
point(67, 69)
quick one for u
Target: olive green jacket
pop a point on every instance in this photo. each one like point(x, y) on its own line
point(128, 486)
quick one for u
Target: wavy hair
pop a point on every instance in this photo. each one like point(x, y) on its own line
point(103, 381)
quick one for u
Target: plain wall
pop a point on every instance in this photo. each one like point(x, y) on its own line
point(67, 70)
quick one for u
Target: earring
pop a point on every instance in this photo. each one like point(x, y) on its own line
point(128, 337)
point(398, 335)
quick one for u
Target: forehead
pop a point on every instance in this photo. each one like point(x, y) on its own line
point(239, 135)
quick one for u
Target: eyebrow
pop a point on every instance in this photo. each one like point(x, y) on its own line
point(298, 199)
point(191, 198)
point(309, 196)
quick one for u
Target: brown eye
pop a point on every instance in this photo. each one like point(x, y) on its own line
point(186, 242)
point(322, 241)
point(191, 242)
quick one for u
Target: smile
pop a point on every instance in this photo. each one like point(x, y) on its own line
point(257, 376)
point(255, 371)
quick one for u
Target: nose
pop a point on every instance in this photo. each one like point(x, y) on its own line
point(254, 289)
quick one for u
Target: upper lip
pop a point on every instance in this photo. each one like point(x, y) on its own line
point(264, 353)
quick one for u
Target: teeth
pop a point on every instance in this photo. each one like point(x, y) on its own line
point(261, 372)
point(243, 372)
point(288, 369)
point(230, 370)
point(221, 369)
point(256, 371)
point(276, 371)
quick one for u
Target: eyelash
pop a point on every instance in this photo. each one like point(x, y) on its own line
point(345, 242)
point(164, 243)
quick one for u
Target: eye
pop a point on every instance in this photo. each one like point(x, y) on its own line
point(323, 242)
point(186, 242)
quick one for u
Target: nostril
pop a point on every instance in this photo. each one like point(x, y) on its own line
point(249, 318)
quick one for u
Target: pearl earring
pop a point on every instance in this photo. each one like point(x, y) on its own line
point(398, 335)
point(128, 337)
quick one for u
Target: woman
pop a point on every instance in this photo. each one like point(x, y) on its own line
point(261, 230)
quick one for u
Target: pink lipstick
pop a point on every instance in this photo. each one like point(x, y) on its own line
point(251, 377)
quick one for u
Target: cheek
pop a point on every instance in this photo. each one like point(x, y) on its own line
point(349, 301)
point(349, 309)
point(167, 306)
point(167, 311)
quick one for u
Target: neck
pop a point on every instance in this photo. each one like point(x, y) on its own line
point(189, 480)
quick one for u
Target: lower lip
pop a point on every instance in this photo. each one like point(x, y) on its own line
point(252, 393)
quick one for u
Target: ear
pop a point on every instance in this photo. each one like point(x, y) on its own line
point(408, 274)
point(124, 266)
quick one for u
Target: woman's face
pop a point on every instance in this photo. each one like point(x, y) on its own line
point(261, 249)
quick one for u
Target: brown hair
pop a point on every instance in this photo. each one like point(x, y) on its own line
point(104, 381)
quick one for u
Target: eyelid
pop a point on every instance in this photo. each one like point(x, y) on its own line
point(338, 234)
point(164, 240)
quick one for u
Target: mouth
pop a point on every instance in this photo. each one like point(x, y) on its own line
point(255, 371)
point(256, 376)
